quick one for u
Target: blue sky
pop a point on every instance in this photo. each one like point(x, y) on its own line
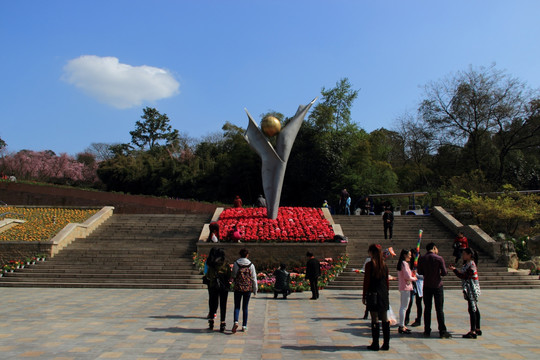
point(80, 72)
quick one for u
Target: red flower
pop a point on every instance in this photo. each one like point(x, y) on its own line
point(293, 224)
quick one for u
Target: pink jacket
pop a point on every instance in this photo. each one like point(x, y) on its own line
point(405, 277)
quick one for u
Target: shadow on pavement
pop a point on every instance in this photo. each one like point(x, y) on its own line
point(331, 348)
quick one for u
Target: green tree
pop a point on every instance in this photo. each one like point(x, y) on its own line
point(333, 112)
point(2, 144)
point(468, 108)
point(504, 212)
point(520, 135)
point(154, 129)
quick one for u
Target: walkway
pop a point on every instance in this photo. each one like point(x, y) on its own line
point(65, 323)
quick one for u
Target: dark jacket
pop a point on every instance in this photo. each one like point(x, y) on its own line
point(388, 216)
point(282, 280)
point(313, 268)
point(433, 268)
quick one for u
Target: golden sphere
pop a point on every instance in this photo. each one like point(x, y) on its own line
point(270, 125)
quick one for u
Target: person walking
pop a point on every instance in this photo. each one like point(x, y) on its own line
point(313, 271)
point(218, 274)
point(405, 280)
point(388, 221)
point(245, 284)
point(416, 295)
point(375, 297)
point(432, 266)
point(471, 289)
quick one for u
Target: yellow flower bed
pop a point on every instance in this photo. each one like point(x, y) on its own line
point(41, 223)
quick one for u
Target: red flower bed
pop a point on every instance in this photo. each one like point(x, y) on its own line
point(293, 224)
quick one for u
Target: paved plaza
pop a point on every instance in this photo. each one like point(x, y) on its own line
point(170, 324)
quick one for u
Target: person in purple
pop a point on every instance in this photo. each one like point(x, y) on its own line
point(432, 266)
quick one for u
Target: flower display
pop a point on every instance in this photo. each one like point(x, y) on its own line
point(42, 223)
point(293, 224)
point(330, 268)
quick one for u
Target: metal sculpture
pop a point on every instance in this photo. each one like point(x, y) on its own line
point(274, 160)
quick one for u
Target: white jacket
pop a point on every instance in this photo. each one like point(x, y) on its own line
point(244, 262)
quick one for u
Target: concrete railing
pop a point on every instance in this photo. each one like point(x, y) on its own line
point(77, 230)
point(475, 235)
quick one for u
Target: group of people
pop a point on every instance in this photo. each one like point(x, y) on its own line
point(218, 276)
point(424, 283)
point(421, 285)
point(260, 202)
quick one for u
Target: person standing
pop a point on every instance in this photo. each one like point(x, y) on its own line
point(366, 206)
point(348, 206)
point(261, 201)
point(432, 266)
point(218, 274)
point(388, 221)
point(460, 244)
point(471, 289)
point(375, 297)
point(237, 203)
point(405, 279)
point(342, 199)
point(416, 295)
point(245, 284)
point(313, 271)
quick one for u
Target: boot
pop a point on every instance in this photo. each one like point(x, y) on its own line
point(211, 324)
point(386, 335)
point(375, 330)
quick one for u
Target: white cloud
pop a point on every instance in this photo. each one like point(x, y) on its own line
point(119, 85)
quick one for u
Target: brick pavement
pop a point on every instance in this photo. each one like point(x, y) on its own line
point(170, 324)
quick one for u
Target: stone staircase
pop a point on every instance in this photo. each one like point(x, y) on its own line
point(365, 230)
point(154, 251)
point(127, 251)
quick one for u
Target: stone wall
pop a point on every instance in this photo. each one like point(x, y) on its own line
point(13, 193)
point(265, 254)
point(21, 250)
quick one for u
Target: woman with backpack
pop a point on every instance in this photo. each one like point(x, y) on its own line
point(218, 275)
point(245, 283)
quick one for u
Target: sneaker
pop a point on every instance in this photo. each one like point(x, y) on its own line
point(445, 335)
point(244, 328)
point(234, 328)
point(469, 335)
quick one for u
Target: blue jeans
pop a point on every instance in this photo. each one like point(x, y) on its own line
point(241, 297)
